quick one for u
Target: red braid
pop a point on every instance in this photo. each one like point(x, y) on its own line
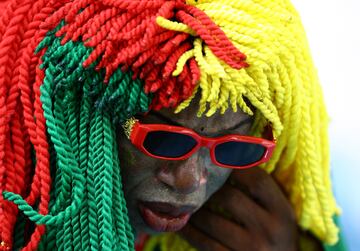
point(122, 34)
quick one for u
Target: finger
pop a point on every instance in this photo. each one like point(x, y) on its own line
point(228, 233)
point(262, 188)
point(201, 241)
point(241, 207)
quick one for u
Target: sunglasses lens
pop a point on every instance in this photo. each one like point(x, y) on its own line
point(234, 153)
point(168, 144)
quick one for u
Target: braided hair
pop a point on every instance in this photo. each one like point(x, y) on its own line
point(72, 70)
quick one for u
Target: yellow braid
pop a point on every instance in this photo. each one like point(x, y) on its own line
point(168, 242)
point(182, 61)
point(175, 26)
point(282, 84)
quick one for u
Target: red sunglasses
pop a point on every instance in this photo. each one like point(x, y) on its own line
point(178, 143)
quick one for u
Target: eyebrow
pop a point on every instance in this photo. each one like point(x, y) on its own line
point(240, 124)
point(171, 122)
point(165, 119)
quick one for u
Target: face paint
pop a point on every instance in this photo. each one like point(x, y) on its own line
point(162, 194)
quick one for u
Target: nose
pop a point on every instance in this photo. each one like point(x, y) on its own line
point(184, 176)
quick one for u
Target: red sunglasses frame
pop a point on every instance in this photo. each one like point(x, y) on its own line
point(139, 131)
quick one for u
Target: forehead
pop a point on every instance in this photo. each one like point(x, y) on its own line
point(230, 121)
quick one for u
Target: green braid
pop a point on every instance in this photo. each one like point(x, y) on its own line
point(19, 232)
point(85, 111)
point(87, 206)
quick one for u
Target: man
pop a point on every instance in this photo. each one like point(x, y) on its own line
point(71, 72)
point(162, 194)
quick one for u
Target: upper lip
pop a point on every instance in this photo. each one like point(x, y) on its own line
point(169, 209)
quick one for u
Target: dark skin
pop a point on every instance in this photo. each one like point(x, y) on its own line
point(184, 183)
point(262, 219)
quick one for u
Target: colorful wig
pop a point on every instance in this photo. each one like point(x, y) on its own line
point(72, 70)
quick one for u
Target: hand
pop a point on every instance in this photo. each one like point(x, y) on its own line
point(262, 218)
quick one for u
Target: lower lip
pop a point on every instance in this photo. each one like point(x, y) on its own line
point(162, 222)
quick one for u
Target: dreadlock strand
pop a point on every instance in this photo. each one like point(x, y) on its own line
point(182, 61)
point(120, 224)
point(107, 233)
point(91, 188)
point(79, 21)
point(9, 47)
point(74, 9)
point(174, 26)
point(94, 23)
point(169, 46)
point(143, 58)
point(171, 63)
point(42, 160)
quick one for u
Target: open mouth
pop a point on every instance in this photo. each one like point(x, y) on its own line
point(165, 217)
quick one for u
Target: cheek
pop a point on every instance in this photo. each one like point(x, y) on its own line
point(135, 166)
point(217, 176)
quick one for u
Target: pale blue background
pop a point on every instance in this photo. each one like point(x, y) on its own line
point(333, 29)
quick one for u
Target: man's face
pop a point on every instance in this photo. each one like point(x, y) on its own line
point(162, 194)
